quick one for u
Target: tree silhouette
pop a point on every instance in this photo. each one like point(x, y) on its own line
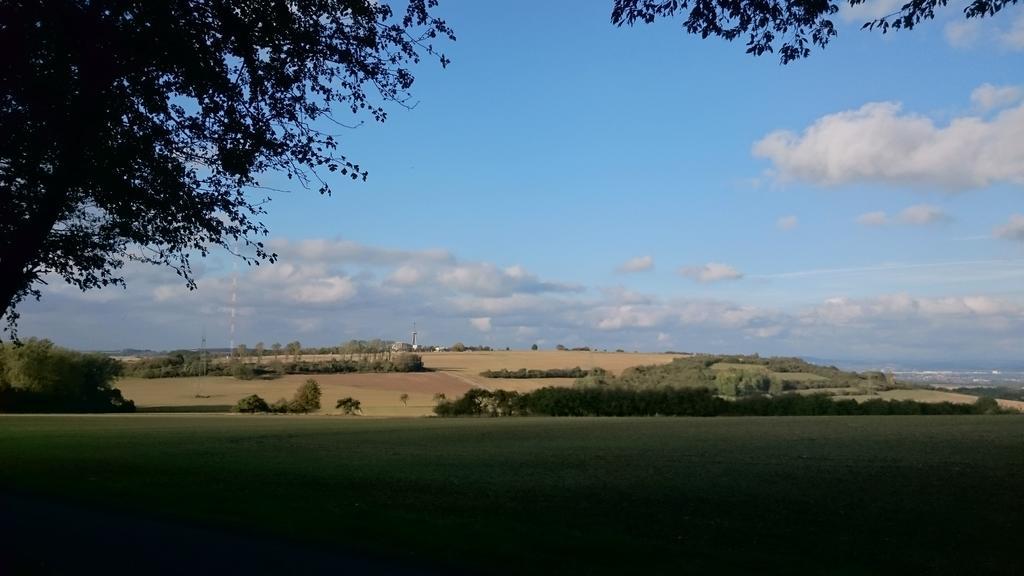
point(791, 27)
point(137, 130)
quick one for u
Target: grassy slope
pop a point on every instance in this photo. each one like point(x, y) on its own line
point(821, 495)
point(785, 376)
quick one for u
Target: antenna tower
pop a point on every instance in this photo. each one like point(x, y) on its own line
point(234, 300)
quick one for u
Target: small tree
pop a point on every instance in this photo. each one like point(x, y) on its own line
point(404, 398)
point(276, 347)
point(534, 347)
point(307, 397)
point(458, 347)
point(259, 352)
point(349, 406)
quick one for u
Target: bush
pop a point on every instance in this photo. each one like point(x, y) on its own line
point(242, 371)
point(251, 404)
point(307, 397)
point(406, 362)
point(281, 406)
point(349, 406)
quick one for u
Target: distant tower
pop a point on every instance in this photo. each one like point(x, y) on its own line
point(234, 299)
point(414, 345)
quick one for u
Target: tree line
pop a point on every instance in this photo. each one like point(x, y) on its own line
point(669, 401)
point(185, 363)
point(41, 377)
point(524, 373)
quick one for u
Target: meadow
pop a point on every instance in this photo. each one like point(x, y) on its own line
point(837, 495)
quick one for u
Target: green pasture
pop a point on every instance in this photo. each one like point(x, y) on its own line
point(822, 495)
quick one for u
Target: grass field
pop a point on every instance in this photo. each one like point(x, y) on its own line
point(856, 495)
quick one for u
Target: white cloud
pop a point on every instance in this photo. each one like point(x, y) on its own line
point(787, 222)
point(711, 272)
point(321, 304)
point(1012, 230)
point(406, 275)
point(922, 214)
point(879, 143)
point(916, 215)
point(900, 307)
point(332, 289)
point(1014, 37)
point(962, 34)
point(485, 279)
point(638, 264)
point(878, 218)
point(339, 251)
point(988, 97)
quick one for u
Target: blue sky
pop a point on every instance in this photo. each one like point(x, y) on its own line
point(855, 205)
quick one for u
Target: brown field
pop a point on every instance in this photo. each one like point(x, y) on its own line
point(379, 393)
point(469, 365)
point(938, 396)
point(455, 372)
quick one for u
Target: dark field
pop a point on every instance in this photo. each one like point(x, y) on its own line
point(835, 495)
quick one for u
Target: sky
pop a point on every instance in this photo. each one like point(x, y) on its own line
point(564, 181)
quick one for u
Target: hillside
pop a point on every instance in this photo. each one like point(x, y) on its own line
point(733, 375)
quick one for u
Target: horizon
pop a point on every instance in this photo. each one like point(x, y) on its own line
point(641, 189)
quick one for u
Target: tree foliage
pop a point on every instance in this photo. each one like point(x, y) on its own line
point(41, 377)
point(669, 401)
point(789, 27)
point(307, 397)
point(139, 130)
point(349, 406)
point(252, 404)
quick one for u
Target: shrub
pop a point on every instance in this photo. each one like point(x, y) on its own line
point(307, 397)
point(242, 371)
point(406, 362)
point(281, 406)
point(252, 403)
point(349, 406)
